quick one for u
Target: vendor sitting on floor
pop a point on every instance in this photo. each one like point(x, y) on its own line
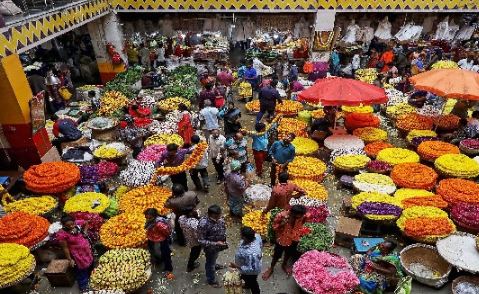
point(379, 269)
point(65, 130)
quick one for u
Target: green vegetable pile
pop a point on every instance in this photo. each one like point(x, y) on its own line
point(182, 82)
point(273, 213)
point(268, 55)
point(320, 238)
point(124, 80)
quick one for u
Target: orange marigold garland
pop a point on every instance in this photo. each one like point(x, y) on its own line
point(414, 175)
point(447, 122)
point(430, 150)
point(23, 228)
point(139, 199)
point(427, 227)
point(434, 201)
point(372, 149)
point(51, 177)
point(458, 190)
point(124, 231)
point(356, 120)
point(414, 121)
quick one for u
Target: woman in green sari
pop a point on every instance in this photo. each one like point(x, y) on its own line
point(379, 269)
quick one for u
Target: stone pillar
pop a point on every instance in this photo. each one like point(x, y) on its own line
point(103, 31)
point(17, 139)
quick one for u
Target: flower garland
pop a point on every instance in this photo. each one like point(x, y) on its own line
point(151, 153)
point(304, 146)
point(370, 134)
point(466, 215)
point(51, 177)
point(170, 104)
point(428, 228)
point(16, 262)
point(447, 122)
point(124, 231)
point(257, 221)
point(419, 133)
point(287, 107)
point(458, 190)
point(399, 109)
point(23, 228)
point(356, 120)
point(430, 150)
point(457, 165)
point(376, 206)
point(313, 189)
point(379, 167)
point(164, 139)
point(351, 162)
point(405, 193)
point(320, 237)
point(87, 202)
point(434, 201)
point(372, 149)
point(372, 182)
point(414, 176)
point(414, 121)
point(313, 271)
point(358, 109)
point(306, 168)
point(395, 156)
point(419, 212)
point(111, 102)
point(318, 114)
point(191, 161)
point(138, 173)
point(291, 125)
point(142, 198)
point(34, 205)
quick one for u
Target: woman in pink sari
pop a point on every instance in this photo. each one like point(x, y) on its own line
point(185, 128)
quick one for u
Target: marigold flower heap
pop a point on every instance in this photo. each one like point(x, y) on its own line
point(124, 231)
point(447, 122)
point(288, 107)
point(457, 165)
point(164, 139)
point(376, 206)
point(16, 262)
point(191, 161)
point(304, 146)
point(142, 198)
point(306, 168)
point(425, 223)
point(51, 177)
point(414, 176)
point(34, 205)
point(23, 228)
point(458, 190)
point(111, 102)
point(395, 156)
point(291, 125)
point(405, 193)
point(372, 182)
point(370, 134)
point(313, 273)
point(372, 149)
point(434, 201)
point(255, 220)
point(87, 202)
point(395, 111)
point(351, 162)
point(317, 114)
point(313, 189)
point(357, 109)
point(466, 215)
point(414, 121)
point(430, 150)
point(170, 104)
point(357, 120)
point(419, 133)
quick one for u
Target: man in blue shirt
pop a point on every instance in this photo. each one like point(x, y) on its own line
point(282, 153)
point(251, 76)
point(267, 100)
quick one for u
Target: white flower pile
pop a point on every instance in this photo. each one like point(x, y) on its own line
point(138, 173)
point(306, 201)
point(258, 192)
point(343, 142)
point(395, 97)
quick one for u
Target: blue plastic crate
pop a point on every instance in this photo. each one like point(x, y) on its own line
point(361, 245)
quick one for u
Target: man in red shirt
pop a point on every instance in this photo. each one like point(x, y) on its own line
point(288, 229)
point(282, 193)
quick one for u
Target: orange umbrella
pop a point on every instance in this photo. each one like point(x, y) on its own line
point(449, 83)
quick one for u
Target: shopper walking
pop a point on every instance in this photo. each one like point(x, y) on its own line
point(173, 157)
point(239, 144)
point(268, 96)
point(282, 153)
point(251, 77)
point(200, 169)
point(208, 93)
point(216, 149)
point(282, 193)
point(231, 116)
point(158, 230)
point(181, 202)
point(248, 259)
point(209, 117)
point(288, 229)
point(185, 125)
point(212, 237)
point(189, 225)
point(235, 186)
point(260, 144)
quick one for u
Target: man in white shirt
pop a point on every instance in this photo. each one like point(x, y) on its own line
point(466, 63)
point(356, 62)
point(216, 149)
point(260, 68)
point(209, 117)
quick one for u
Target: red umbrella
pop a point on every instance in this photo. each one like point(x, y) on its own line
point(340, 91)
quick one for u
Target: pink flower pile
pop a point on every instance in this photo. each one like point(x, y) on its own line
point(318, 214)
point(321, 272)
point(151, 153)
point(106, 169)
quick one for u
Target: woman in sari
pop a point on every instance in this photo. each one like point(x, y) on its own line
point(379, 269)
point(185, 127)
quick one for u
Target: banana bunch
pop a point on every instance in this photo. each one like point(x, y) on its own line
point(121, 269)
point(111, 102)
point(33, 205)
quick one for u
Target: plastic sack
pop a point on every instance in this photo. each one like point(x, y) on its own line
point(65, 93)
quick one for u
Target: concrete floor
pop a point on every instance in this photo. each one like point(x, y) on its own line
point(194, 283)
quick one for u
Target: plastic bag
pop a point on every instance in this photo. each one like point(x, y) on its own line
point(65, 93)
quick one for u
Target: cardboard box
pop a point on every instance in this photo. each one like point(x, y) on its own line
point(346, 230)
point(60, 273)
point(51, 156)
